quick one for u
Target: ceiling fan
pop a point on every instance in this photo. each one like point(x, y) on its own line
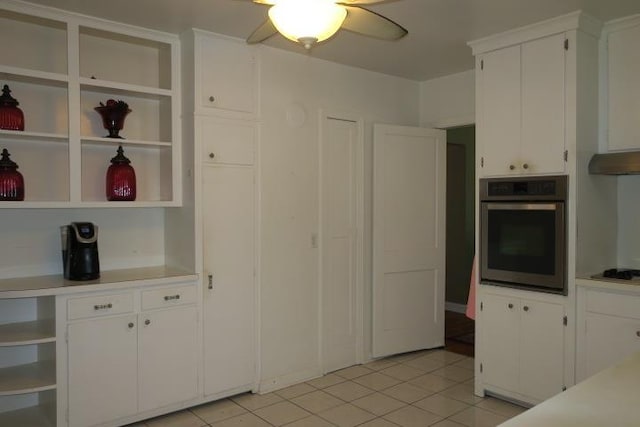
point(312, 21)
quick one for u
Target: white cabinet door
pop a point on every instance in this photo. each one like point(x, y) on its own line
point(521, 108)
point(623, 80)
point(103, 359)
point(227, 75)
point(228, 205)
point(168, 357)
point(500, 341)
point(499, 112)
point(610, 339)
point(227, 141)
point(543, 107)
point(541, 349)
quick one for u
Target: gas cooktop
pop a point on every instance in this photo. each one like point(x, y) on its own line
point(620, 273)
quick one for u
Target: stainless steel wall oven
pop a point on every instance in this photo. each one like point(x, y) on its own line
point(523, 233)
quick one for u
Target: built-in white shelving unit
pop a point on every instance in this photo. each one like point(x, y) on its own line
point(60, 67)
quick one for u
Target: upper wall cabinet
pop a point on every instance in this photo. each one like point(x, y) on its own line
point(60, 67)
point(226, 71)
point(521, 108)
point(524, 90)
point(621, 79)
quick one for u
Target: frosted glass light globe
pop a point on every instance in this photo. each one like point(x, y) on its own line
point(307, 21)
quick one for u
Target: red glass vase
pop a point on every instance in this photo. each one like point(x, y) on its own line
point(121, 179)
point(11, 117)
point(11, 181)
point(113, 115)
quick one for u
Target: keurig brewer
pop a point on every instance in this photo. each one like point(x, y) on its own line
point(80, 251)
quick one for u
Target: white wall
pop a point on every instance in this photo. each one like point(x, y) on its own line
point(289, 165)
point(30, 243)
point(628, 223)
point(448, 101)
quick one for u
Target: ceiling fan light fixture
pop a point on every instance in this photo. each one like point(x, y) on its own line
point(307, 21)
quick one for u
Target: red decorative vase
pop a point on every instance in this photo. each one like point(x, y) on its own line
point(11, 117)
point(113, 114)
point(121, 179)
point(11, 181)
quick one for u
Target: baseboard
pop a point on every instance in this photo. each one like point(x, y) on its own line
point(455, 307)
point(277, 383)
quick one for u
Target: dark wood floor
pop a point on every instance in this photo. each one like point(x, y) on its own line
point(459, 333)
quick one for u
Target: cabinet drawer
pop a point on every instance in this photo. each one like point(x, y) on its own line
point(99, 305)
point(167, 297)
point(613, 304)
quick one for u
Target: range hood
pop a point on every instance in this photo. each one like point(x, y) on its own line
point(627, 163)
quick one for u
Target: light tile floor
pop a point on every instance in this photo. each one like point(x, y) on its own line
point(425, 388)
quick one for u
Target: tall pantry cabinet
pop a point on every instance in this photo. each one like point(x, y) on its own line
point(536, 114)
point(221, 88)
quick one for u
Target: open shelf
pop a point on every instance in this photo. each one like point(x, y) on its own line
point(33, 76)
point(33, 136)
point(124, 142)
point(108, 87)
point(35, 416)
point(25, 333)
point(29, 378)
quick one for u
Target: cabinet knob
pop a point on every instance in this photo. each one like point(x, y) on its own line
point(130, 325)
point(525, 166)
point(171, 297)
point(147, 322)
point(102, 306)
point(210, 277)
point(638, 334)
point(511, 167)
point(211, 155)
point(212, 98)
point(525, 308)
point(510, 305)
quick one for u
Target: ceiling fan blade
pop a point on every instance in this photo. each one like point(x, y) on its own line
point(262, 33)
point(271, 2)
point(355, 2)
point(368, 23)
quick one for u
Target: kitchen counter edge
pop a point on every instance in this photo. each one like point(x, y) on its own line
point(37, 286)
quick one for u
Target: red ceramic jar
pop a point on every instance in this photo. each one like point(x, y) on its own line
point(11, 117)
point(121, 179)
point(11, 181)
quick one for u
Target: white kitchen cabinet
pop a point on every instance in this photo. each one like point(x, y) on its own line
point(60, 67)
point(521, 108)
point(622, 82)
point(229, 262)
point(131, 352)
point(27, 362)
point(608, 328)
point(522, 346)
point(226, 76)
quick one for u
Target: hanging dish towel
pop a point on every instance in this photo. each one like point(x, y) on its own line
point(471, 301)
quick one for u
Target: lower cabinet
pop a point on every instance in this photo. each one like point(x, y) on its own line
point(522, 347)
point(608, 329)
point(130, 352)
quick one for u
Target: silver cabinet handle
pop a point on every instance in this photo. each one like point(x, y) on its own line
point(210, 281)
point(102, 306)
point(131, 325)
point(147, 322)
point(212, 98)
point(212, 155)
point(171, 297)
point(525, 166)
point(525, 308)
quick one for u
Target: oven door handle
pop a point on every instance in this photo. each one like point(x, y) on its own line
point(522, 206)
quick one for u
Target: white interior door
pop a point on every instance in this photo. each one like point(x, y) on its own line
point(409, 185)
point(339, 145)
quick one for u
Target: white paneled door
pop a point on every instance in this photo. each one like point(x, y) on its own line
point(340, 292)
point(409, 188)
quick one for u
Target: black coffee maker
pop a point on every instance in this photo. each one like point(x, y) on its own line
point(80, 251)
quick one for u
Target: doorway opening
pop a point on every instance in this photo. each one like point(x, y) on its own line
point(460, 238)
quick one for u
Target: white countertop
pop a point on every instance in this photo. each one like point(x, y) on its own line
point(23, 287)
point(610, 398)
